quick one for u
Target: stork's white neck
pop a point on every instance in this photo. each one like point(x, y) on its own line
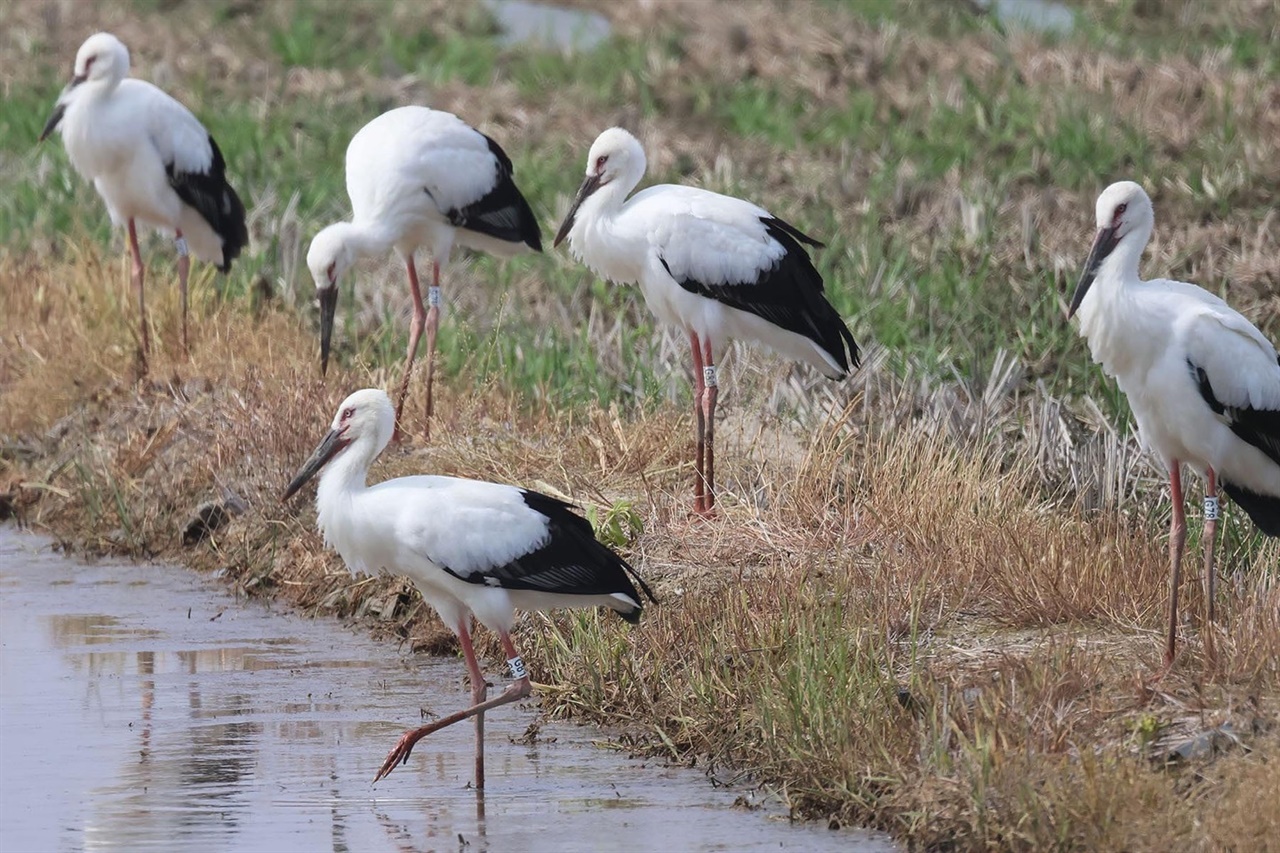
point(1108, 319)
point(343, 480)
point(367, 239)
point(597, 240)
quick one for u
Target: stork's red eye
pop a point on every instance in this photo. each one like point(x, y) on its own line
point(600, 161)
point(347, 413)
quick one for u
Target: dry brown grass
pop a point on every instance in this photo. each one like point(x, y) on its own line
point(934, 607)
point(901, 621)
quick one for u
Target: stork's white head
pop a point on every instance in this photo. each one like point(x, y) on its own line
point(330, 256)
point(1125, 218)
point(102, 61)
point(1126, 207)
point(616, 158)
point(362, 426)
point(101, 57)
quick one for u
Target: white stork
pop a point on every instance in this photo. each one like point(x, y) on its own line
point(419, 177)
point(715, 266)
point(470, 547)
point(1202, 381)
point(151, 161)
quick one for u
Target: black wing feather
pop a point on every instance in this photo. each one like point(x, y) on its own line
point(214, 199)
point(1258, 427)
point(789, 295)
point(572, 561)
point(503, 212)
point(1264, 510)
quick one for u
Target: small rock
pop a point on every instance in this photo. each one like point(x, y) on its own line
point(909, 702)
point(208, 517)
point(19, 451)
point(1204, 745)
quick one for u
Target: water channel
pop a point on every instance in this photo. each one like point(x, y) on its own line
point(144, 707)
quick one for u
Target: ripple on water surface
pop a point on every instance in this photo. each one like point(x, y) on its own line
point(143, 708)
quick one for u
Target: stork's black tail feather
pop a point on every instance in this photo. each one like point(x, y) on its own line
point(503, 213)
point(209, 194)
point(1263, 509)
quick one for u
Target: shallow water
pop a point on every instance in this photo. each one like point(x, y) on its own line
point(546, 26)
point(1046, 16)
point(144, 708)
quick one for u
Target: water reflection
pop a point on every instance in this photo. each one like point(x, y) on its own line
point(127, 724)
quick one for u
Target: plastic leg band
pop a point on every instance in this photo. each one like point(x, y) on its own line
point(181, 243)
point(1211, 508)
point(433, 296)
point(709, 376)
point(517, 667)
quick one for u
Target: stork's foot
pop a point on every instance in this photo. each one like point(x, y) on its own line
point(400, 754)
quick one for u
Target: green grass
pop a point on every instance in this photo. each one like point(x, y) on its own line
point(940, 300)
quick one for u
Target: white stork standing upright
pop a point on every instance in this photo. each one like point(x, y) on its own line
point(470, 547)
point(151, 161)
point(715, 266)
point(419, 177)
point(1202, 381)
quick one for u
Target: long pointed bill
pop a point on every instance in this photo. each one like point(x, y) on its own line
point(332, 444)
point(1103, 245)
point(59, 110)
point(328, 305)
point(589, 185)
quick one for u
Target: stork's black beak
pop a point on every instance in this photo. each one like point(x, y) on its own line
point(59, 110)
point(1103, 245)
point(328, 305)
point(589, 185)
point(333, 442)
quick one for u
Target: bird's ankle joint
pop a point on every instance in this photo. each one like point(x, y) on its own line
point(181, 243)
point(709, 376)
point(1211, 508)
point(433, 296)
point(518, 670)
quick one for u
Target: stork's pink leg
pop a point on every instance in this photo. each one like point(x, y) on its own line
point(184, 268)
point(1210, 570)
point(415, 332)
point(699, 387)
point(479, 692)
point(1177, 539)
point(516, 690)
point(710, 393)
point(144, 338)
point(433, 321)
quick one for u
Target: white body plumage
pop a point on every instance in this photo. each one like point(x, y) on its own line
point(134, 141)
point(1156, 337)
point(717, 266)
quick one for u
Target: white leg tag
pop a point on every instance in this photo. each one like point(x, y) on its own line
point(181, 243)
point(517, 667)
point(1210, 508)
point(709, 376)
point(433, 300)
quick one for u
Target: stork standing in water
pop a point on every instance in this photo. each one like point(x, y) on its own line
point(151, 161)
point(417, 178)
point(1202, 381)
point(470, 547)
point(715, 266)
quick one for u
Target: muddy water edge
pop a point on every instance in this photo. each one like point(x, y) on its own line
point(144, 707)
